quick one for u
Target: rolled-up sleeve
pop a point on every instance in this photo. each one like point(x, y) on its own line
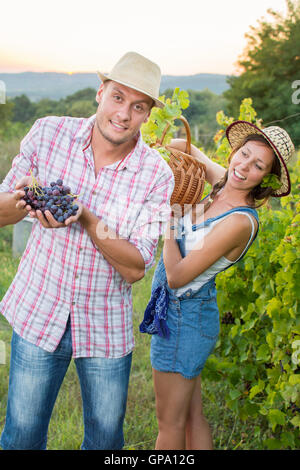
point(24, 161)
point(152, 219)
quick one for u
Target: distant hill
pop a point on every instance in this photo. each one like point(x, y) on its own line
point(59, 85)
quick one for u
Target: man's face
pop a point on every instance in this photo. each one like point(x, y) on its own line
point(121, 112)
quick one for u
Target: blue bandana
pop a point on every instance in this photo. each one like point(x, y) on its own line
point(155, 317)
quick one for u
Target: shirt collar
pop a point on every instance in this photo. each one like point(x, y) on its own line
point(131, 161)
point(85, 132)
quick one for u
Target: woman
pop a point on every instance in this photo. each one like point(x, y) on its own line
point(182, 313)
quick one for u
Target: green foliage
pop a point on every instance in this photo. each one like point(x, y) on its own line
point(23, 109)
point(258, 355)
point(271, 181)
point(80, 104)
point(153, 129)
point(201, 114)
point(269, 67)
point(6, 113)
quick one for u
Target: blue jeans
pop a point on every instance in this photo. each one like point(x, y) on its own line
point(35, 379)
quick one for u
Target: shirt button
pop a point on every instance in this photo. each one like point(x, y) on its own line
point(188, 294)
point(73, 303)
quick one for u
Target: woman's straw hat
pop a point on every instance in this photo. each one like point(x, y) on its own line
point(137, 72)
point(279, 140)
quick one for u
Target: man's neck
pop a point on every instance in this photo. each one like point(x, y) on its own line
point(105, 152)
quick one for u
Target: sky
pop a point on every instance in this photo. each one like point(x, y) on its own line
point(183, 37)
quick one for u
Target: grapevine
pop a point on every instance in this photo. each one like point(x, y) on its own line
point(258, 355)
point(153, 130)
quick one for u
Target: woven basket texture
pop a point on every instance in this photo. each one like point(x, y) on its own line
point(189, 173)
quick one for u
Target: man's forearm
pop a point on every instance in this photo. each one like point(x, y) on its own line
point(120, 253)
point(9, 214)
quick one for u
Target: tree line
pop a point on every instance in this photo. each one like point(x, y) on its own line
point(269, 71)
point(20, 112)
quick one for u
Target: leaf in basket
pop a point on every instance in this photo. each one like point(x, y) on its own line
point(148, 132)
point(172, 111)
point(164, 153)
point(181, 97)
point(154, 128)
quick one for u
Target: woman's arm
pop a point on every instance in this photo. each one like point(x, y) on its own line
point(227, 237)
point(214, 171)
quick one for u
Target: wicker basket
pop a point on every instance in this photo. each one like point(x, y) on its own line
point(189, 173)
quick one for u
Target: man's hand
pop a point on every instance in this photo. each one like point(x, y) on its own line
point(48, 221)
point(19, 193)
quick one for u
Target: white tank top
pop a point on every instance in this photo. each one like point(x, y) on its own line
point(195, 236)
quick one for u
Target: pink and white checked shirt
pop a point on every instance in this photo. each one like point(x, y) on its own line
point(61, 272)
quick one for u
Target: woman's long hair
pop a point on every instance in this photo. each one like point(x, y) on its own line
point(256, 194)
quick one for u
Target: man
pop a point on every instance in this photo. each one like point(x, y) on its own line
point(71, 296)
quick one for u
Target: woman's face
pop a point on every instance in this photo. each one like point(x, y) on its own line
point(250, 164)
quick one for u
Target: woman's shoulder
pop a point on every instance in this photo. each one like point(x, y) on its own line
point(241, 225)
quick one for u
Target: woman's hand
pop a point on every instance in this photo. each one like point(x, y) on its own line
point(213, 171)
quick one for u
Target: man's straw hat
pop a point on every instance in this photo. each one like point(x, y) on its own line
point(279, 140)
point(137, 72)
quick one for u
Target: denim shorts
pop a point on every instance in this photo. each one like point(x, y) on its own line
point(193, 321)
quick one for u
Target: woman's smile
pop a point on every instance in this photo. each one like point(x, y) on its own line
point(238, 175)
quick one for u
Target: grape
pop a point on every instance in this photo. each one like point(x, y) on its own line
point(227, 319)
point(57, 198)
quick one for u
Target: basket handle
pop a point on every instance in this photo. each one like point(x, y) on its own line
point(188, 134)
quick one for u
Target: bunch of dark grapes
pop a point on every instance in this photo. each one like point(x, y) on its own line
point(227, 319)
point(56, 198)
point(295, 409)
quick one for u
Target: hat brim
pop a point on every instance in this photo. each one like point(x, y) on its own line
point(236, 133)
point(105, 78)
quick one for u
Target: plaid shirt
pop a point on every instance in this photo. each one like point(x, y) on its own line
point(62, 272)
